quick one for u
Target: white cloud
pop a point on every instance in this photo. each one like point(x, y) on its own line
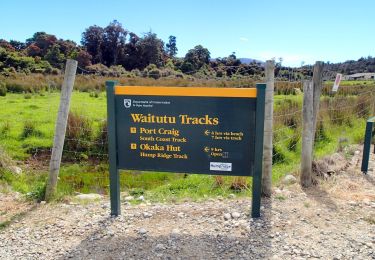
point(243, 39)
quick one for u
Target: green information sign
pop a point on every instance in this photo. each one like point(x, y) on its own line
point(216, 131)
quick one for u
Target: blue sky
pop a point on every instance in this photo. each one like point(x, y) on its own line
point(294, 30)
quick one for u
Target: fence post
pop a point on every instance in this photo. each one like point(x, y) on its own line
point(317, 86)
point(307, 134)
point(60, 128)
point(268, 131)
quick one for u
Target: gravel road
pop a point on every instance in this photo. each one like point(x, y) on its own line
point(334, 220)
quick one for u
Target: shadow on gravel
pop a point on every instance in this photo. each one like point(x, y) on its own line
point(370, 179)
point(321, 196)
point(252, 243)
point(19, 216)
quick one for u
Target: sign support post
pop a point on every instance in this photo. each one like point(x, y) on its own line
point(258, 155)
point(367, 144)
point(114, 177)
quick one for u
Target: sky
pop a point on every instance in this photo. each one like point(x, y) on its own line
point(295, 30)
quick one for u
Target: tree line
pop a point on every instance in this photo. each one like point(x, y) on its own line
point(114, 49)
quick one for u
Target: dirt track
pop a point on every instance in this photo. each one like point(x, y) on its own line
point(334, 220)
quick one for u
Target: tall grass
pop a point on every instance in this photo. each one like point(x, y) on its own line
point(85, 167)
point(36, 83)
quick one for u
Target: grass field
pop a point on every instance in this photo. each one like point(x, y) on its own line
point(26, 132)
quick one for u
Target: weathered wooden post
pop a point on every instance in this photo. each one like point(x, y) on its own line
point(268, 131)
point(307, 134)
point(317, 86)
point(60, 128)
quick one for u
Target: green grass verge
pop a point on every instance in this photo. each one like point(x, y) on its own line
point(85, 176)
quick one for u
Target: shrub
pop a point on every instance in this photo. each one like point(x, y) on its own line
point(38, 193)
point(137, 192)
point(219, 181)
point(101, 142)
point(78, 137)
point(98, 69)
point(340, 110)
point(320, 133)
point(238, 184)
point(286, 87)
point(154, 73)
point(289, 113)
point(29, 129)
point(7, 72)
point(364, 105)
point(55, 71)
point(293, 141)
point(94, 94)
point(5, 160)
point(116, 71)
point(3, 89)
point(136, 72)
point(278, 155)
point(27, 96)
point(220, 74)
point(5, 128)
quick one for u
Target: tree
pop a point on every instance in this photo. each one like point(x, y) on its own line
point(92, 40)
point(67, 47)
point(114, 43)
point(187, 67)
point(18, 62)
point(150, 50)
point(33, 50)
point(43, 41)
point(34, 38)
point(19, 46)
point(229, 63)
point(171, 47)
point(55, 57)
point(130, 59)
point(84, 59)
point(197, 57)
point(6, 45)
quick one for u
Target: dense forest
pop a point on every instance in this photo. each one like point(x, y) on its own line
point(115, 51)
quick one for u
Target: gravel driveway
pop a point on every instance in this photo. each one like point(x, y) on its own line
point(334, 220)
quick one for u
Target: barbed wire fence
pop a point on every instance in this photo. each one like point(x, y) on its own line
point(85, 153)
point(86, 141)
point(287, 119)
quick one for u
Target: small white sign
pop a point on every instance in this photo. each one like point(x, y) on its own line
point(337, 82)
point(220, 166)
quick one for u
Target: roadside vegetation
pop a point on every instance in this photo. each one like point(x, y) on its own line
point(27, 125)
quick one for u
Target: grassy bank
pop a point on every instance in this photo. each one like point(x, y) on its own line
point(26, 133)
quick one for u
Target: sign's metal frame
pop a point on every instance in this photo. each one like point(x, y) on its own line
point(367, 144)
point(113, 156)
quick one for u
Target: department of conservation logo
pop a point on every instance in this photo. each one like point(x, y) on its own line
point(127, 103)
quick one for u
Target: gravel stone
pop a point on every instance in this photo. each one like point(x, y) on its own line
point(235, 215)
point(227, 216)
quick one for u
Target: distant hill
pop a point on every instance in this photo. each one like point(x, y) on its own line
point(362, 65)
point(245, 60)
point(249, 60)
